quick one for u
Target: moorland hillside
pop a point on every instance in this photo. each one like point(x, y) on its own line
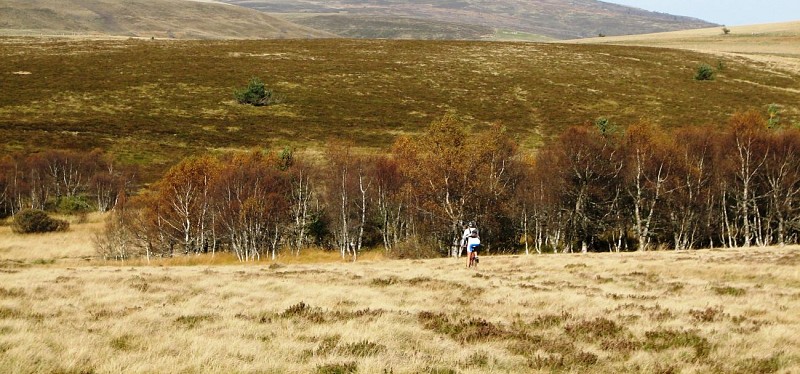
point(174, 19)
point(151, 102)
point(505, 19)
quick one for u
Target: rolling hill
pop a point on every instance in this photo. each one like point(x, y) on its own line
point(508, 19)
point(179, 19)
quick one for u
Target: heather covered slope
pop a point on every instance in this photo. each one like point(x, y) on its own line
point(558, 19)
point(153, 101)
point(180, 19)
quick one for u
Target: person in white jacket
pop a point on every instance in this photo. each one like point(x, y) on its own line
point(472, 241)
point(464, 236)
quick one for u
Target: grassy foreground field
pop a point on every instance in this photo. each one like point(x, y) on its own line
point(724, 311)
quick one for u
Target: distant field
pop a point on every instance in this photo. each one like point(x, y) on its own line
point(150, 102)
point(710, 311)
point(776, 44)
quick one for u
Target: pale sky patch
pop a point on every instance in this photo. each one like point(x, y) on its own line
point(725, 12)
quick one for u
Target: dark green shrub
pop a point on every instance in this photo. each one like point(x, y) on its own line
point(704, 73)
point(774, 112)
point(256, 94)
point(74, 205)
point(36, 221)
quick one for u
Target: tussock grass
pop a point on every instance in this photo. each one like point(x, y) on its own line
point(429, 316)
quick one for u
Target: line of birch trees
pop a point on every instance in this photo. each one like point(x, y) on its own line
point(599, 189)
point(64, 180)
point(596, 187)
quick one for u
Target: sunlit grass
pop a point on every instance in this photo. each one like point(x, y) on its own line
point(611, 312)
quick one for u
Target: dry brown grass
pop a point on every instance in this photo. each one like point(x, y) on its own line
point(76, 243)
point(694, 312)
point(774, 44)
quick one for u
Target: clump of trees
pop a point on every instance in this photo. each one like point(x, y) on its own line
point(596, 187)
point(645, 188)
point(258, 204)
point(61, 180)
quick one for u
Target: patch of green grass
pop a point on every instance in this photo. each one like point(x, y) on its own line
point(729, 291)
point(663, 339)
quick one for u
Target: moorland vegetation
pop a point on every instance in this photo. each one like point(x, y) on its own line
point(663, 161)
point(596, 187)
point(721, 311)
point(151, 103)
point(469, 19)
point(169, 19)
